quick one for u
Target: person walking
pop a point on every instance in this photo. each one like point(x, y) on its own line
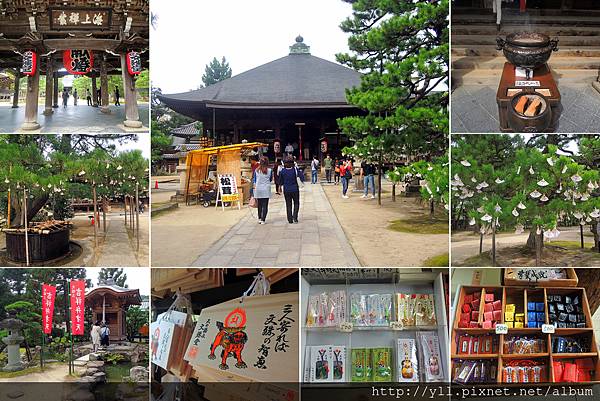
point(88, 96)
point(346, 175)
point(117, 96)
point(104, 335)
point(367, 170)
point(327, 164)
point(314, 169)
point(263, 176)
point(289, 177)
point(95, 335)
point(65, 97)
point(75, 96)
point(276, 170)
point(336, 166)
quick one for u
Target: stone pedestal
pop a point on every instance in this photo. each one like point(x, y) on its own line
point(13, 342)
point(132, 115)
point(182, 170)
point(31, 103)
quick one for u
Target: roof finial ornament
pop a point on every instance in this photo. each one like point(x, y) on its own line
point(299, 47)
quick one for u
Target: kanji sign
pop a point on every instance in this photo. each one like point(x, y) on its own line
point(48, 297)
point(134, 63)
point(78, 61)
point(77, 307)
point(228, 188)
point(89, 19)
point(29, 62)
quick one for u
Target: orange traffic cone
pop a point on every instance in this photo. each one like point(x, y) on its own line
point(155, 184)
point(93, 222)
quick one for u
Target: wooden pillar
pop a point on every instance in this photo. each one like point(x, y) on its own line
point(137, 215)
point(94, 91)
point(49, 85)
point(31, 102)
point(16, 91)
point(132, 115)
point(95, 215)
point(104, 86)
point(55, 91)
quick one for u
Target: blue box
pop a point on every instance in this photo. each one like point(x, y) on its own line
point(540, 324)
point(539, 306)
point(531, 317)
point(532, 325)
point(531, 306)
point(541, 317)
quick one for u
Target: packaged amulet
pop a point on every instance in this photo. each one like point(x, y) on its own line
point(382, 364)
point(336, 308)
point(312, 313)
point(361, 365)
point(407, 367)
point(432, 361)
point(425, 310)
point(338, 354)
point(380, 309)
point(358, 309)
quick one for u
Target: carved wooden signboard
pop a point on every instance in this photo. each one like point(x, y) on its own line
point(80, 18)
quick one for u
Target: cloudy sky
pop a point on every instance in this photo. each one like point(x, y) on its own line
point(189, 33)
point(142, 143)
point(137, 278)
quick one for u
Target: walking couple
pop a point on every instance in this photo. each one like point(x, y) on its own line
point(289, 178)
point(100, 335)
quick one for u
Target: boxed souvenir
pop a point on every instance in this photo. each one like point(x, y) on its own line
point(407, 365)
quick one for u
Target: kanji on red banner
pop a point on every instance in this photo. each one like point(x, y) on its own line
point(134, 63)
point(77, 307)
point(78, 61)
point(48, 297)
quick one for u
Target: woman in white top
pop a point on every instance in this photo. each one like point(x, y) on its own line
point(263, 176)
point(95, 334)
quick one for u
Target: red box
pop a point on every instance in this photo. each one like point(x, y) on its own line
point(488, 308)
point(584, 363)
point(497, 315)
point(468, 299)
point(475, 344)
point(475, 315)
point(497, 305)
point(475, 304)
point(477, 295)
point(488, 316)
point(489, 297)
point(463, 324)
point(466, 308)
point(473, 325)
point(464, 345)
point(558, 370)
point(570, 372)
point(465, 316)
point(487, 325)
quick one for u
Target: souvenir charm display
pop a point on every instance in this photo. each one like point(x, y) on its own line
point(407, 363)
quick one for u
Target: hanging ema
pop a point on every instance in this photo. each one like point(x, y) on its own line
point(134, 63)
point(29, 62)
point(77, 61)
point(232, 337)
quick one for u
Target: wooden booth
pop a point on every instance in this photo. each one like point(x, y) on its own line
point(109, 303)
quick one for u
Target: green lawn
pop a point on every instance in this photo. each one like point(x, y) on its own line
point(420, 225)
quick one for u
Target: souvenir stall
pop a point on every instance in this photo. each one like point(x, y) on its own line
point(374, 325)
point(220, 330)
point(219, 174)
point(536, 328)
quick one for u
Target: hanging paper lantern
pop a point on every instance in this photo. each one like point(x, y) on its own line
point(134, 63)
point(29, 63)
point(78, 62)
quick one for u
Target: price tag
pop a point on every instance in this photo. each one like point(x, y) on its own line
point(501, 329)
point(345, 327)
point(529, 84)
point(548, 328)
point(396, 326)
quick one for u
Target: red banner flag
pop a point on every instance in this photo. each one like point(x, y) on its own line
point(48, 297)
point(77, 307)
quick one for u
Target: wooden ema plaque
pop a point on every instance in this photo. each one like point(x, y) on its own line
point(507, 89)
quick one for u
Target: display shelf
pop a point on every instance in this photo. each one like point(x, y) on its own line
point(520, 296)
point(373, 336)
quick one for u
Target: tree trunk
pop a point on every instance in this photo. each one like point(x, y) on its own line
point(431, 208)
point(531, 239)
point(33, 207)
point(393, 192)
point(494, 244)
point(594, 230)
point(480, 243)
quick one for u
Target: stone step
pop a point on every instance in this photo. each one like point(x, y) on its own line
point(491, 77)
point(497, 63)
point(567, 30)
point(514, 17)
point(490, 51)
point(474, 40)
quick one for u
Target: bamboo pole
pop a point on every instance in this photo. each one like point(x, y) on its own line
point(137, 214)
point(131, 221)
point(25, 226)
point(95, 215)
point(104, 202)
point(125, 208)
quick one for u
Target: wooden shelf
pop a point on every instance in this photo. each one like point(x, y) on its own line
point(474, 356)
point(580, 355)
point(525, 356)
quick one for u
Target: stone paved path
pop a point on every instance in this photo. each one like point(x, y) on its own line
point(81, 119)
point(116, 250)
point(318, 240)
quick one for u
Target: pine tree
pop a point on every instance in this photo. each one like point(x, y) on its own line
point(117, 274)
point(402, 49)
point(216, 71)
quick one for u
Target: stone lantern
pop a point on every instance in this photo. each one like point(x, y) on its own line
point(13, 342)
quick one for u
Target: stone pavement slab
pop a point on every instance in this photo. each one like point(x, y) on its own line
point(116, 250)
point(474, 109)
point(82, 119)
point(317, 240)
